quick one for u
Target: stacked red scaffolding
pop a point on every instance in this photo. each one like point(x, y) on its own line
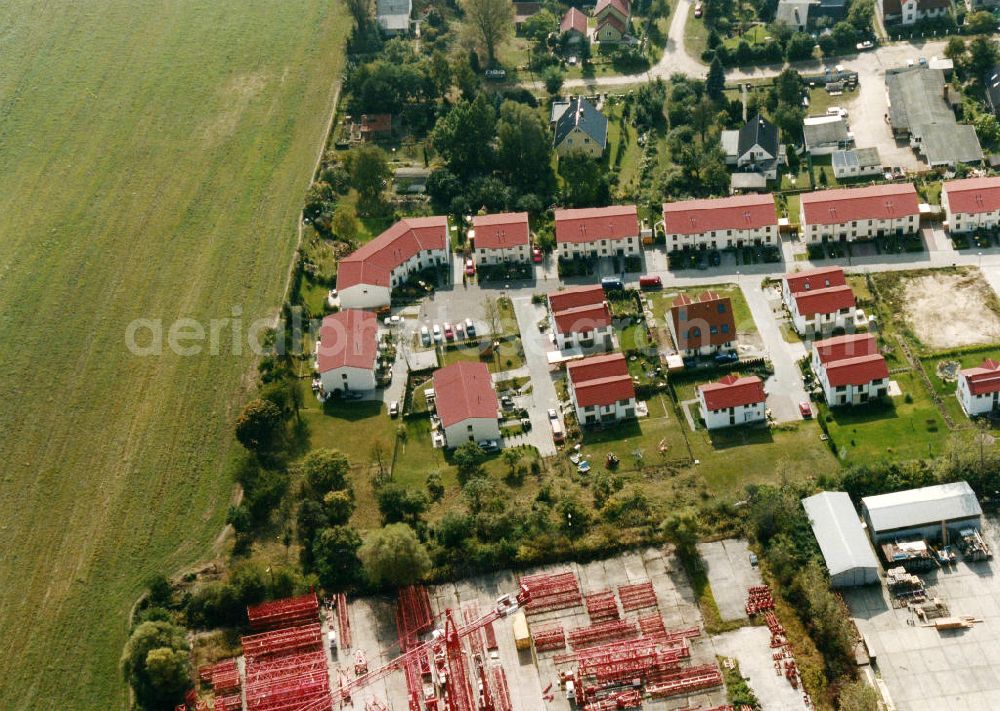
point(287, 683)
point(552, 591)
point(413, 615)
point(307, 638)
point(288, 612)
point(603, 632)
point(637, 596)
point(340, 601)
point(644, 663)
point(706, 676)
point(205, 673)
point(630, 699)
point(470, 612)
point(547, 639)
point(602, 606)
point(225, 677)
point(776, 628)
point(759, 600)
point(501, 693)
point(230, 702)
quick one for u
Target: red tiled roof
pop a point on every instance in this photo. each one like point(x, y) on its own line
point(741, 212)
point(574, 20)
point(376, 123)
point(348, 338)
point(984, 378)
point(576, 296)
point(877, 202)
point(600, 380)
point(812, 279)
point(597, 366)
point(733, 391)
point(612, 20)
point(824, 301)
point(464, 390)
point(856, 371)
point(973, 195)
point(621, 6)
point(591, 224)
point(583, 318)
point(503, 231)
point(849, 346)
point(702, 315)
point(373, 262)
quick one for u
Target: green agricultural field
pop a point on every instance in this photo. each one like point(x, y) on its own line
point(153, 159)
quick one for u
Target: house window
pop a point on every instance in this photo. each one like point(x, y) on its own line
point(722, 308)
point(694, 332)
point(713, 330)
point(468, 428)
point(623, 403)
point(725, 328)
point(682, 314)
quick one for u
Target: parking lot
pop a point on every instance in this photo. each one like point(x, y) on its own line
point(928, 670)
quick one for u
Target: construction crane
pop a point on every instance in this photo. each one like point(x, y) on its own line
point(460, 697)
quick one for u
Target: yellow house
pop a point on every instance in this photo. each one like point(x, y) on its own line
point(581, 127)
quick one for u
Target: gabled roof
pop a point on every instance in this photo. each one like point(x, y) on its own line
point(503, 231)
point(576, 296)
point(740, 212)
point(733, 391)
point(856, 371)
point(824, 301)
point(703, 323)
point(621, 6)
point(856, 158)
point(973, 195)
point(917, 507)
point(877, 202)
point(758, 131)
point(373, 262)
point(821, 131)
point(574, 21)
point(848, 346)
point(581, 114)
point(591, 224)
point(611, 19)
point(984, 378)
point(464, 390)
point(812, 279)
point(839, 532)
point(600, 380)
point(349, 339)
point(992, 83)
point(583, 318)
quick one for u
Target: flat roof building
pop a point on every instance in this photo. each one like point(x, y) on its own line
point(847, 553)
point(922, 513)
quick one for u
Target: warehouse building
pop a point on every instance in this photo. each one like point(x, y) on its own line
point(849, 557)
point(922, 513)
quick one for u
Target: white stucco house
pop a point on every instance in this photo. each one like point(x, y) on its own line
point(466, 403)
point(971, 204)
point(851, 214)
point(979, 388)
point(347, 351)
point(580, 318)
point(720, 223)
point(819, 300)
point(502, 238)
point(850, 369)
point(367, 276)
point(732, 401)
point(598, 231)
point(601, 389)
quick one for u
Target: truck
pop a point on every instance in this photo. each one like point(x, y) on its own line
point(612, 284)
point(558, 434)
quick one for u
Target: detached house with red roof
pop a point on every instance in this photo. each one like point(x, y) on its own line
point(613, 18)
point(819, 300)
point(502, 238)
point(601, 389)
point(581, 318)
point(732, 401)
point(366, 277)
point(979, 388)
point(850, 369)
point(702, 326)
point(971, 204)
point(574, 25)
point(466, 403)
point(347, 351)
point(852, 214)
point(598, 231)
point(720, 223)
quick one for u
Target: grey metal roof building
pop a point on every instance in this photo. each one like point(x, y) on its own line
point(849, 557)
point(921, 512)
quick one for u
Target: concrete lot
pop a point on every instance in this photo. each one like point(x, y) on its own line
point(751, 645)
point(927, 670)
point(730, 574)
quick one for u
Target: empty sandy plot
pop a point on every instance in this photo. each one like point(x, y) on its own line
point(951, 310)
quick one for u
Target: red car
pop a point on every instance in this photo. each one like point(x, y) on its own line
point(805, 409)
point(470, 267)
point(536, 255)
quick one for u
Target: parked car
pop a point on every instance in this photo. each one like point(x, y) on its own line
point(349, 395)
point(470, 328)
point(612, 284)
point(449, 333)
point(394, 408)
point(536, 255)
point(753, 560)
point(490, 446)
point(507, 402)
point(715, 258)
point(437, 334)
point(699, 10)
point(425, 336)
point(836, 111)
point(650, 282)
point(460, 331)
point(553, 415)
point(922, 61)
point(470, 267)
point(805, 409)
point(867, 44)
point(723, 358)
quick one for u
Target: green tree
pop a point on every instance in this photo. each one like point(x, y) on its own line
point(469, 458)
point(318, 198)
point(370, 173)
point(788, 87)
point(982, 56)
point(574, 517)
point(155, 664)
point(325, 470)
point(511, 457)
point(339, 505)
point(524, 149)
point(857, 696)
point(361, 12)
point(682, 529)
point(988, 129)
point(344, 223)
point(435, 487)
point(394, 556)
point(464, 137)
point(491, 23)
point(715, 84)
point(540, 25)
point(979, 23)
point(335, 557)
point(259, 426)
point(440, 73)
point(584, 182)
point(398, 503)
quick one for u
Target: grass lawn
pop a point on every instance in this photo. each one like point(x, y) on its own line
point(509, 356)
point(153, 163)
point(647, 434)
point(695, 34)
point(793, 206)
point(901, 430)
point(946, 389)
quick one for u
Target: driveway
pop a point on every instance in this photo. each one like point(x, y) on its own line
point(543, 389)
point(784, 389)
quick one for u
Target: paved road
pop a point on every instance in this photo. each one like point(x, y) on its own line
point(543, 389)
